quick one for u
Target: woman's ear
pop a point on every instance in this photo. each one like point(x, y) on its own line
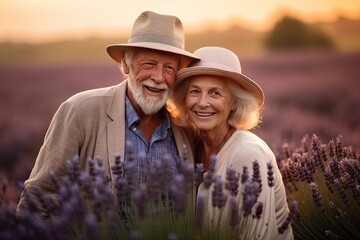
point(233, 107)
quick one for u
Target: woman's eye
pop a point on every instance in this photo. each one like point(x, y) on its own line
point(215, 93)
point(193, 91)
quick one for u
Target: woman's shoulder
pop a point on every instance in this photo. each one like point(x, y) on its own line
point(242, 137)
point(247, 146)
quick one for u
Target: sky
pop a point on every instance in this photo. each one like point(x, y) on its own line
point(49, 20)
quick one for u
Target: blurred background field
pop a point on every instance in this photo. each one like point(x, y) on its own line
point(310, 87)
point(344, 34)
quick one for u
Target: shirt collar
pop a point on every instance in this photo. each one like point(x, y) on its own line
point(133, 118)
point(131, 115)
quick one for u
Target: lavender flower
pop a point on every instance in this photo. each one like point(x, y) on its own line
point(84, 205)
point(198, 175)
point(209, 176)
point(232, 180)
point(270, 174)
point(315, 143)
point(335, 210)
point(93, 229)
point(139, 197)
point(341, 191)
point(74, 168)
point(331, 146)
point(340, 172)
point(178, 193)
point(304, 143)
point(250, 194)
point(339, 147)
point(218, 197)
point(91, 165)
point(259, 210)
point(291, 216)
point(172, 236)
point(135, 235)
point(286, 150)
point(245, 174)
point(256, 176)
point(330, 234)
point(317, 197)
point(334, 167)
point(200, 208)
point(323, 153)
point(329, 179)
point(118, 168)
point(234, 211)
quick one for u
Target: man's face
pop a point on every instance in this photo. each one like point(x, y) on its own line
point(152, 76)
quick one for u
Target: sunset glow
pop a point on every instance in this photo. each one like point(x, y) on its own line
point(49, 20)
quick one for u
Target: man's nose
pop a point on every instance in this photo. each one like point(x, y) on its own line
point(158, 74)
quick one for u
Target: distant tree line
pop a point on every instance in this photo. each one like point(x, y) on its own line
point(291, 33)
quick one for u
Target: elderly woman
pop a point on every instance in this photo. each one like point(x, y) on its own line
point(221, 105)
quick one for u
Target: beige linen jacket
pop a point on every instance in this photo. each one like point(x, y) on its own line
point(89, 124)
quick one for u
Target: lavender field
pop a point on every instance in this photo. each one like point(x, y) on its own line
point(306, 93)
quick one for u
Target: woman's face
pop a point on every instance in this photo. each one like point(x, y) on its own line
point(208, 102)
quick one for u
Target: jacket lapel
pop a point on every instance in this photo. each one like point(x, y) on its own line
point(116, 128)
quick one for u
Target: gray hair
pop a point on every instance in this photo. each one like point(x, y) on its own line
point(127, 59)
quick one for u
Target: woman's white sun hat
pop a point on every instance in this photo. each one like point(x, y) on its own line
point(221, 62)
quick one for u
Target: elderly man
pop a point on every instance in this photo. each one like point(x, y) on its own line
point(97, 123)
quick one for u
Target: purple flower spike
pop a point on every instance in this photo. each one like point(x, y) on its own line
point(330, 234)
point(200, 207)
point(292, 214)
point(218, 197)
point(259, 210)
point(250, 195)
point(245, 174)
point(209, 176)
point(270, 174)
point(232, 180)
point(256, 175)
point(317, 197)
point(234, 214)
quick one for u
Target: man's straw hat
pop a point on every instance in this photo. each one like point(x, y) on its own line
point(221, 62)
point(157, 32)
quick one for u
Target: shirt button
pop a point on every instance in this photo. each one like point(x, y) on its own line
point(134, 129)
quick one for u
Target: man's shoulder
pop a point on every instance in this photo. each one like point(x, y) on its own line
point(94, 96)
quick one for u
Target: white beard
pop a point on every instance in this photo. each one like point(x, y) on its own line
point(150, 104)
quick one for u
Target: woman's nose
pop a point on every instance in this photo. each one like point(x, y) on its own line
point(203, 102)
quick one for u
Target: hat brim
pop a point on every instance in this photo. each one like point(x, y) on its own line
point(245, 82)
point(116, 51)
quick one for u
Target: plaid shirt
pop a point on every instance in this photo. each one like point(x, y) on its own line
point(161, 141)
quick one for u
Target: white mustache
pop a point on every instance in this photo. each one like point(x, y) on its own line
point(150, 83)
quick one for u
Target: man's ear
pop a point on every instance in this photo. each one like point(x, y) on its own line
point(125, 68)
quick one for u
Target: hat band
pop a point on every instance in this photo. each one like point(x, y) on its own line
point(156, 39)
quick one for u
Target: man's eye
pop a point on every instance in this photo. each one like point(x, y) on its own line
point(170, 70)
point(148, 64)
